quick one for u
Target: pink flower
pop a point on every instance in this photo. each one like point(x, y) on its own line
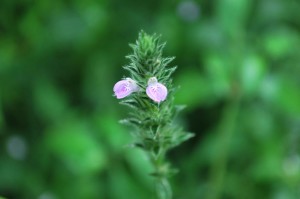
point(156, 91)
point(125, 87)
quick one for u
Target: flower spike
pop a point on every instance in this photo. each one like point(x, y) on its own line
point(155, 128)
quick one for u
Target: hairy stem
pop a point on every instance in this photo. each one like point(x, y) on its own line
point(163, 187)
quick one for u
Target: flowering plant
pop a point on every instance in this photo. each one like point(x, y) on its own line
point(150, 94)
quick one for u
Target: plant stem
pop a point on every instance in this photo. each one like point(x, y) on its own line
point(225, 129)
point(163, 187)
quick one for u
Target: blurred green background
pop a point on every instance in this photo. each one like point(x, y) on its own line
point(239, 69)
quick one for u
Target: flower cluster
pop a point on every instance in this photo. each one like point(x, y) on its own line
point(155, 90)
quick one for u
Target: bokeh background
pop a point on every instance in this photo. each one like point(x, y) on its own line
point(239, 72)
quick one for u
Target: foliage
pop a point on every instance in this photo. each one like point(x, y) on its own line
point(238, 75)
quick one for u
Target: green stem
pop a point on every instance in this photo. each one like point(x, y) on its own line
point(163, 188)
point(162, 185)
point(225, 130)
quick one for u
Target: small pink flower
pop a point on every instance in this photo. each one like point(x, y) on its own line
point(125, 87)
point(156, 91)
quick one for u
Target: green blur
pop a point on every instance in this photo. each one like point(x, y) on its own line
point(239, 75)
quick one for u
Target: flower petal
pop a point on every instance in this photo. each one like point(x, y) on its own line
point(124, 88)
point(157, 92)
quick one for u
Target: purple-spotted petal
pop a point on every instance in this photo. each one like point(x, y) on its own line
point(157, 92)
point(124, 88)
